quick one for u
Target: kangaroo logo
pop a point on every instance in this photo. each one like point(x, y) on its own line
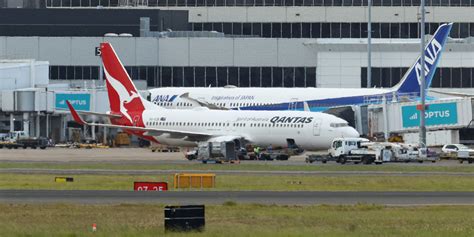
point(123, 93)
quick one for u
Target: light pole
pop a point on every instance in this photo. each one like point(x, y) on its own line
point(369, 44)
point(422, 131)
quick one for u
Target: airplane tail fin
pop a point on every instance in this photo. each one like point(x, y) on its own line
point(410, 82)
point(124, 97)
point(75, 115)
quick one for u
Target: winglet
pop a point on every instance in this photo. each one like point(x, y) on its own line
point(75, 115)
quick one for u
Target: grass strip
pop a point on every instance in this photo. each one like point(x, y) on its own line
point(250, 182)
point(232, 219)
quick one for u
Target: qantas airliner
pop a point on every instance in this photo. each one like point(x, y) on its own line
point(135, 115)
point(317, 99)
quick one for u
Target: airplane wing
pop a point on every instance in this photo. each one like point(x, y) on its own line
point(226, 138)
point(148, 131)
point(95, 113)
point(201, 102)
point(452, 93)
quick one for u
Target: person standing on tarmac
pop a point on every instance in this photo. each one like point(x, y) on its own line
point(256, 151)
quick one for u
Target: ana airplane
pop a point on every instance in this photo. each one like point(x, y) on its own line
point(318, 99)
point(135, 115)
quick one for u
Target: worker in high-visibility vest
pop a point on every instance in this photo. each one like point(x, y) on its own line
point(256, 150)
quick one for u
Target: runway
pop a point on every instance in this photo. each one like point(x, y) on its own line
point(219, 197)
point(228, 172)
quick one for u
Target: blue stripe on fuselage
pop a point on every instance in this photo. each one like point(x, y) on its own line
point(324, 104)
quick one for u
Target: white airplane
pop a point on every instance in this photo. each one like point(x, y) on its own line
point(187, 128)
point(317, 99)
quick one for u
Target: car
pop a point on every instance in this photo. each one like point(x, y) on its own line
point(449, 148)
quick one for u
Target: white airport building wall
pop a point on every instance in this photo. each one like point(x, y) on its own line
point(434, 138)
point(18, 74)
point(338, 62)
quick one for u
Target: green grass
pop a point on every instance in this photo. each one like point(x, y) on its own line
point(260, 166)
point(239, 220)
point(251, 182)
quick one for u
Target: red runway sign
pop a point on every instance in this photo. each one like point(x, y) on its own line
point(150, 186)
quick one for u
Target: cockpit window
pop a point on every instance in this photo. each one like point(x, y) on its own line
point(338, 125)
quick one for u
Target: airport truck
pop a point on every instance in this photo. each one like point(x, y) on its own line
point(361, 150)
point(356, 150)
point(19, 139)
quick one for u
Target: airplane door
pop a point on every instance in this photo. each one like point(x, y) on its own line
point(317, 127)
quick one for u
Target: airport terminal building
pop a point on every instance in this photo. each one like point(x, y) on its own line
point(265, 43)
point(269, 43)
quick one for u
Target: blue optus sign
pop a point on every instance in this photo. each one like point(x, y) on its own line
point(78, 101)
point(436, 114)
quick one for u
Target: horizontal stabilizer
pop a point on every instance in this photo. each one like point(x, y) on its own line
point(149, 131)
point(458, 94)
point(95, 113)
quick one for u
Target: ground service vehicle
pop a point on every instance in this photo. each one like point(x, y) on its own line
point(19, 139)
point(448, 148)
point(457, 151)
point(465, 155)
point(357, 150)
point(361, 150)
point(213, 151)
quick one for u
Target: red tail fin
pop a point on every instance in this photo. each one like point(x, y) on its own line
point(123, 95)
point(75, 115)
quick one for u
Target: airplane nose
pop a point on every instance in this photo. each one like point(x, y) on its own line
point(350, 132)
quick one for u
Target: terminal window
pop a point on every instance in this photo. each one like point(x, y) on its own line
point(201, 3)
point(445, 77)
point(329, 30)
point(200, 76)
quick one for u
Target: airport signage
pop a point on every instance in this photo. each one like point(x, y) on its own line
point(150, 186)
point(78, 101)
point(97, 51)
point(436, 114)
